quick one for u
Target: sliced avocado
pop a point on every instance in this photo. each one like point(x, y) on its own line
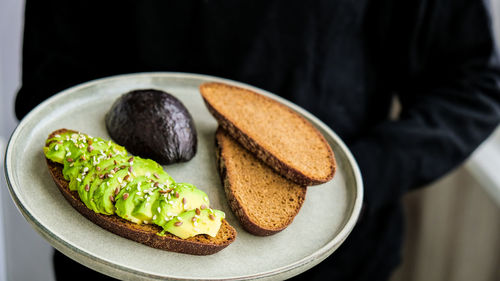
point(105, 167)
point(189, 224)
point(144, 211)
point(129, 198)
point(55, 152)
point(182, 198)
point(113, 180)
point(139, 190)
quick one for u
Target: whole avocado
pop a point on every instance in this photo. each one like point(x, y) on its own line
point(153, 124)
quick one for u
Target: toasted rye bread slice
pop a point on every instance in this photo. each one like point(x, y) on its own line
point(264, 202)
point(144, 233)
point(274, 133)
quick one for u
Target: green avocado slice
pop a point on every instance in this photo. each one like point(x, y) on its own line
point(182, 197)
point(191, 223)
point(129, 198)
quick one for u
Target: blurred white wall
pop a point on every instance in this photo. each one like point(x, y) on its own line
point(24, 255)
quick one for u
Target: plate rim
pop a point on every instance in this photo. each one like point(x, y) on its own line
point(314, 258)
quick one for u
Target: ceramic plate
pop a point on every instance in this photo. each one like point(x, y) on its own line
point(325, 220)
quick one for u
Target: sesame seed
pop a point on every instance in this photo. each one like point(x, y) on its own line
point(205, 198)
point(57, 136)
point(110, 175)
point(86, 169)
point(159, 209)
point(72, 164)
point(120, 180)
point(68, 154)
point(138, 193)
point(195, 223)
point(78, 179)
point(56, 147)
point(148, 174)
point(147, 204)
point(154, 217)
point(203, 206)
point(193, 219)
point(107, 183)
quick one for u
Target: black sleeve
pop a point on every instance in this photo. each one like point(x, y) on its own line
point(66, 43)
point(446, 74)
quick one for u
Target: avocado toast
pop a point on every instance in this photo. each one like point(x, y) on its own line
point(134, 197)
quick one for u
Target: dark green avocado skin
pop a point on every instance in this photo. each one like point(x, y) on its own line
point(153, 124)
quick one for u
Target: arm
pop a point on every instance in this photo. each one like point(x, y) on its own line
point(448, 78)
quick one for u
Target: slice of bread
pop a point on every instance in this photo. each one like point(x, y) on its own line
point(274, 133)
point(264, 202)
point(145, 233)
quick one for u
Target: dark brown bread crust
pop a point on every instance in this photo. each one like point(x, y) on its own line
point(145, 234)
point(265, 156)
point(245, 220)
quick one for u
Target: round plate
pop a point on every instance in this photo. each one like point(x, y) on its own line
point(325, 220)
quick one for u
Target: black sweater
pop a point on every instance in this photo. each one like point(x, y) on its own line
point(342, 60)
